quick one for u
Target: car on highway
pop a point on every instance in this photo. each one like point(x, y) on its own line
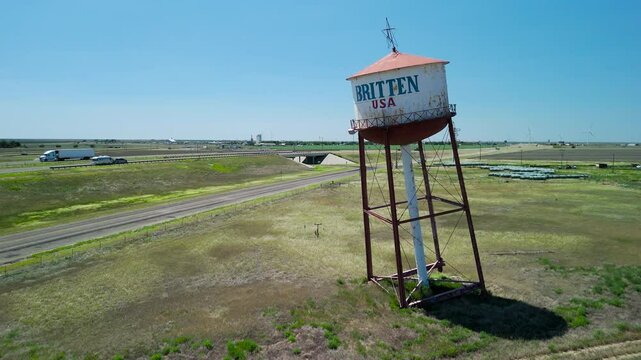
point(120, 161)
point(102, 160)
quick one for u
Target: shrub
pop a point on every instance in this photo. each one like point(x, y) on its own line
point(237, 350)
point(207, 344)
point(290, 335)
point(623, 327)
point(575, 315)
point(333, 342)
point(9, 144)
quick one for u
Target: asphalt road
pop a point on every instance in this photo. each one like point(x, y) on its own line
point(17, 246)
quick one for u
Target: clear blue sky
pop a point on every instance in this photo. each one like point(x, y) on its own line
point(229, 69)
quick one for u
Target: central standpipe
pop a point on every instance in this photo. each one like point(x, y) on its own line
point(412, 205)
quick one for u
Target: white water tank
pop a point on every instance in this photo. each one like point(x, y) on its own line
point(401, 89)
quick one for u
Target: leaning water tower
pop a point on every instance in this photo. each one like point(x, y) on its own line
point(399, 101)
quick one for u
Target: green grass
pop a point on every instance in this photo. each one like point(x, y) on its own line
point(354, 146)
point(238, 350)
point(333, 341)
point(575, 315)
point(610, 285)
point(241, 275)
point(62, 256)
point(44, 198)
point(364, 313)
point(619, 175)
point(180, 345)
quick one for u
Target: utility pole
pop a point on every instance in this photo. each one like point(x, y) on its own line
point(521, 157)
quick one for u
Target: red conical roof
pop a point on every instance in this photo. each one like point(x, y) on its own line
point(396, 60)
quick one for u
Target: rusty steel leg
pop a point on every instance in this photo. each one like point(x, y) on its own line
point(430, 207)
point(364, 196)
point(397, 239)
point(466, 205)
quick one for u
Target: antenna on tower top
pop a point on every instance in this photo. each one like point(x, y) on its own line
point(389, 34)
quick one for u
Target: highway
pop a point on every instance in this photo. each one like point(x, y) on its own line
point(17, 167)
point(14, 247)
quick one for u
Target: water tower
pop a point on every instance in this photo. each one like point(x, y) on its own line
point(400, 100)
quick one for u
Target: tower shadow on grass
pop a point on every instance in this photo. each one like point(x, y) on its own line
point(501, 317)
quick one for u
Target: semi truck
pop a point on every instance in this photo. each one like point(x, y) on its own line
point(67, 154)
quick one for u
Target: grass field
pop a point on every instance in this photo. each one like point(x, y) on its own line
point(433, 152)
point(261, 283)
point(12, 157)
point(607, 154)
point(368, 146)
point(46, 197)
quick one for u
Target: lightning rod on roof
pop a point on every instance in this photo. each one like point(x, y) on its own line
point(389, 34)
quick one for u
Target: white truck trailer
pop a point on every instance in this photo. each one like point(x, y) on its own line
point(66, 154)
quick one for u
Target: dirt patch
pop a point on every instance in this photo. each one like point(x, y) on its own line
point(226, 249)
point(251, 228)
point(218, 313)
point(310, 344)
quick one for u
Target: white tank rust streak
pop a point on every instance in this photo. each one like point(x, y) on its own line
point(424, 87)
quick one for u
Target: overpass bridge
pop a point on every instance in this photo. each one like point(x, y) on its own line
point(305, 157)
